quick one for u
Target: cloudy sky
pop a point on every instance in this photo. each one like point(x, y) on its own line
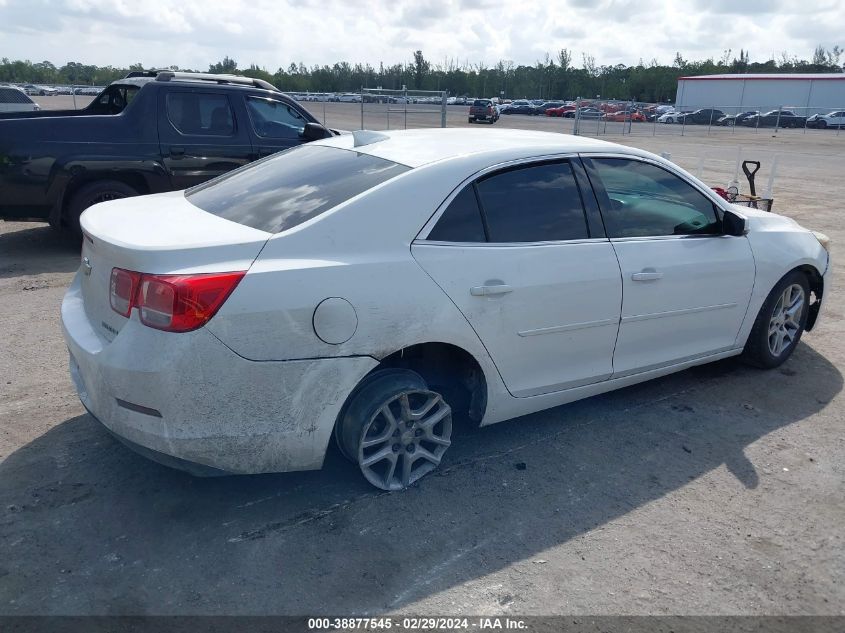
point(273, 33)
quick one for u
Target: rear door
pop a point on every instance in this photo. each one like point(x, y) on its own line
point(276, 124)
point(686, 286)
point(200, 135)
point(521, 252)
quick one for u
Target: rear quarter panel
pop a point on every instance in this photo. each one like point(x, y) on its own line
point(361, 252)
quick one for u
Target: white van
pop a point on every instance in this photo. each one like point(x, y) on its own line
point(16, 100)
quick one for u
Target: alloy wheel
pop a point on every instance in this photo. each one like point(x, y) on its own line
point(405, 439)
point(785, 323)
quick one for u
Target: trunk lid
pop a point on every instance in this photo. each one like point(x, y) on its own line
point(159, 234)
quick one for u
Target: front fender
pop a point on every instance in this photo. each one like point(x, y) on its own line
point(778, 249)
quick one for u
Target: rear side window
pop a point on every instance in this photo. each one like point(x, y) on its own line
point(11, 95)
point(540, 203)
point(286, 189)
point(537, 203)
point(461, 222)
point(200, 114)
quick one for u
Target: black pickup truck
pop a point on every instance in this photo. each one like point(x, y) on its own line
point(150, 132)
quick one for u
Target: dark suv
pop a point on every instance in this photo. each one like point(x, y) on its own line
point(483, 110)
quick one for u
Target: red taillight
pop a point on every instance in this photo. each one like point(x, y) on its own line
point(123, 285)
point(174, 303)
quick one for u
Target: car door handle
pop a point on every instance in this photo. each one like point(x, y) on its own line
point(488, 291)
point(177, 152)
point(647, 276)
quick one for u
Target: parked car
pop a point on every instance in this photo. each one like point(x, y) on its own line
point(672, 116)
point(780, 118)
point(585, 113)
point(16, 100)
point(147, 133)
point(349, 98)
point(238, 326)
point(483, 110)
point(624, 117)
point(520, 106)
point(702, 116)
point(548, 105)
point(560, 110)
point(835, 119)
point(736, 119)
point(32, 89)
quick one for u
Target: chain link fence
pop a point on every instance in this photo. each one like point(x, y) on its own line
point(383, 109)
point(630, 118)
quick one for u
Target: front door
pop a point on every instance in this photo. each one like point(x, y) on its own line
point(686, 287)
point(200, 136)
point(514, 253)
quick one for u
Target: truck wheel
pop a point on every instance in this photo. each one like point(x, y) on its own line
point(91, 194)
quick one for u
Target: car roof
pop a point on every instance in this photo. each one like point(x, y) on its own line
point(419, 147)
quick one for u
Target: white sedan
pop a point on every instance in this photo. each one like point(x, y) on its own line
point(670, 117)
point(372, 286)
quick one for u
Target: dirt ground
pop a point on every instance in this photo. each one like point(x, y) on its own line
point(718, 490)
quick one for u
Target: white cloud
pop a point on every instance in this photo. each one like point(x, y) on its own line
point(274, 33)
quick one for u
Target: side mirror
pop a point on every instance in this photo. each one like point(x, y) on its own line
point(314, 132)
point(734, 224)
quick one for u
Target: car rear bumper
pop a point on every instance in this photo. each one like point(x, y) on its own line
point(189, 397)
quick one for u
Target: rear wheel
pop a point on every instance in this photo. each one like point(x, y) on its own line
point(92, 193)
point(395, 428)
point(780, 322)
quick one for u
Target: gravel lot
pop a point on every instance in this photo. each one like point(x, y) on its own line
point(718, 490)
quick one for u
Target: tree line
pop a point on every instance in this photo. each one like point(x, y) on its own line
point(553, 77)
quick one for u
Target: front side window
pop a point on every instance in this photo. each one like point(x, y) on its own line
point(274, 119)
point(647, 200)
point(290, 187)
point(198, 114)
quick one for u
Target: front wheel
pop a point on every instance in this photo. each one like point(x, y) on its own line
point(395, 428)
point(780, 323)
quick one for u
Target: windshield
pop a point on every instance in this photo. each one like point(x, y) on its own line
point(286, 189)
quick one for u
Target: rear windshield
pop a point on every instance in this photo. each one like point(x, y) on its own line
point(480, 102)
point(13, 95)
point(284, 190)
